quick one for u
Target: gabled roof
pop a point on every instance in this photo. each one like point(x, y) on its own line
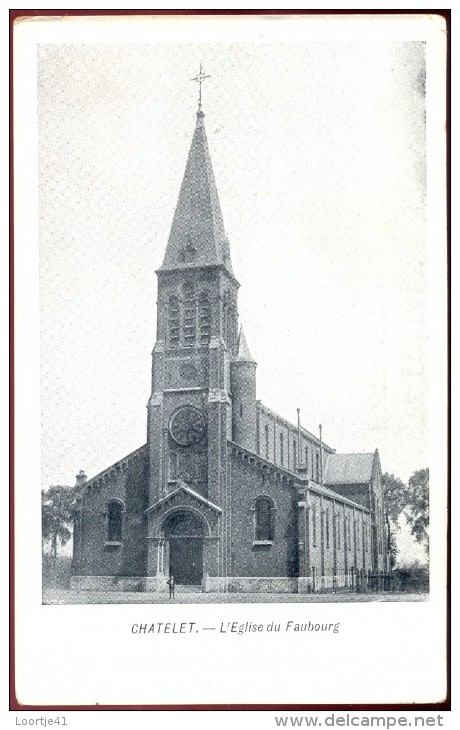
point(119, 463)
point(319, 489)
point(197, 236)
point(183, 490)
point(295, 477)
point(349, 469)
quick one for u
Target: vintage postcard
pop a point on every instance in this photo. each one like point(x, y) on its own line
point(230, 240)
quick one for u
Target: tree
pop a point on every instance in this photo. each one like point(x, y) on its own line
point(392, 529)
point(417, 510)
point(412, 501)
point(57, 516)
point(396, 499)
point(396, 496)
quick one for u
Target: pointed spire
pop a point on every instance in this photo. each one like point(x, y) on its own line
point(197, 236)
point(243, 350)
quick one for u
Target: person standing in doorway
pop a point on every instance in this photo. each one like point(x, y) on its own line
point(171, 585)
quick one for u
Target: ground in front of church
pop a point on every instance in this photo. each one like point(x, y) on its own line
point(61, 596)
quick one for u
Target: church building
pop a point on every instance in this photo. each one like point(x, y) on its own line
point(225, 495)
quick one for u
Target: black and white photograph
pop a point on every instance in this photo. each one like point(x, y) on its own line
point(237, 267)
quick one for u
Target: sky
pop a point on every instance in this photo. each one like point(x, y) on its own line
point(318, 150)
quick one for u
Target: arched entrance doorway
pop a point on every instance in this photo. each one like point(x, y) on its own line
point(184, 533)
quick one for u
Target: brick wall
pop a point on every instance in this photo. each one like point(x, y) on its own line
point(127, 483)
point(247, 559)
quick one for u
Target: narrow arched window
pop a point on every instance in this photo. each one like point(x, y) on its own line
point(233, 327)
point(267, 443)
point(306, 458)
point(189, 314)
point(173, 462)
point(229, 338)
point(327, 528)
point(313, 524)
point(226, 317)
point(264, 520)
point(294, 448)
point(205, 319)
point(174, 321)
point(114, 522)
point(281, 449)
point(317, 466)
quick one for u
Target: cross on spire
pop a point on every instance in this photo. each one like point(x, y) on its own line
point(199, 79)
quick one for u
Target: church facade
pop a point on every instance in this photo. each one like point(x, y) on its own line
point(225, 495)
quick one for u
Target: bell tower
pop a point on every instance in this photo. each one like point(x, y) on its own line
point(190, 407)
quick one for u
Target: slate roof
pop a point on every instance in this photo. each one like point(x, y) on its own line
point(348, 469)
point(280, 419)
point(334, 495)
point(197, 236)
point(299, 478)
point(243, 350)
